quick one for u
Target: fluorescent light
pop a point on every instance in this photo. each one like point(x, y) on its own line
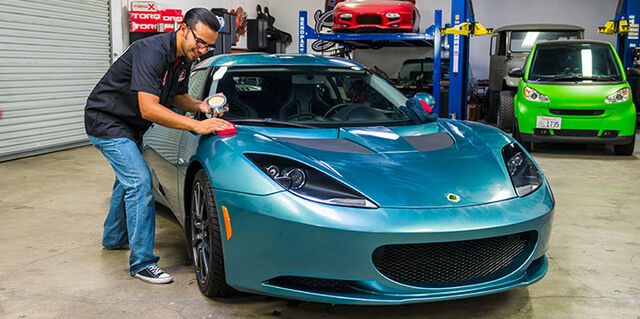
point(587, 67)
point(530, 39)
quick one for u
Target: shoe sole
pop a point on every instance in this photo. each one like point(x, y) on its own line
point(154, 280)
point(123, 247)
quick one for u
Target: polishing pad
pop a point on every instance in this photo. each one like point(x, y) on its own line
point(228, 131)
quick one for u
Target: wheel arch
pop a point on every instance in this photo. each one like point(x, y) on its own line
point(190, 175)
point(507, 87)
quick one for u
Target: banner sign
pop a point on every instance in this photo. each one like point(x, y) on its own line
point(145, 16)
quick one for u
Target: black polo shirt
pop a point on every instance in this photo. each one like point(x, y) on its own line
point(148, 65)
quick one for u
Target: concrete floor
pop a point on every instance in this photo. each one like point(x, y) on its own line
point(53, 266)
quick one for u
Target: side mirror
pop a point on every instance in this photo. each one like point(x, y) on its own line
point(633, 73)
point(427, 98)
point(508, 57)
point(516, 73)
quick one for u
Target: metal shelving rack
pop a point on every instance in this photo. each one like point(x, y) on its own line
point(430, 38)
point(463, 20)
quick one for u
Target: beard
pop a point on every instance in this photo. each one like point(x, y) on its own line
point(189, 53)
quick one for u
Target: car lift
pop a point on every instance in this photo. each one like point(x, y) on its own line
point(463, 19)
point(625, 26)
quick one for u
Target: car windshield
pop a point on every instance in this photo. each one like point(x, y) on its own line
point(575, 62)
point(523, 41)
point(303, 95)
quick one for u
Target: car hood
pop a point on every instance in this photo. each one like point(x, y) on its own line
point(565, 94)
point(408, 166)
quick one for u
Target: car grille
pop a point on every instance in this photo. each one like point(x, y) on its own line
point(453, 263)
point(309, 283)
point(369, 19)
point(576, 112)
point(580, 133)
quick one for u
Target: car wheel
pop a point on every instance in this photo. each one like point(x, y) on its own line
point(204, 232)
point(516, 135)
point(505, 110)
point(625, 149)
point(491, 108)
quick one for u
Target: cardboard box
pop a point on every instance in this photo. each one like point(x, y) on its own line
point(473, 112)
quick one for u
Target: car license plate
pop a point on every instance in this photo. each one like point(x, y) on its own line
point(549, 122)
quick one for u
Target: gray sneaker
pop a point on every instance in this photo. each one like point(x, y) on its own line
point(154, 275)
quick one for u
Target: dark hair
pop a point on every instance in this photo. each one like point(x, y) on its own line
point(208, 18)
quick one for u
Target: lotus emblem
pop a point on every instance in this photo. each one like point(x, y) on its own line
point(453, 198)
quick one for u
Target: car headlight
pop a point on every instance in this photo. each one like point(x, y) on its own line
point(392, 15)
point(346, 16)
point(307, 182)
point(533, 95)
point(523, 172)
point(620, 96)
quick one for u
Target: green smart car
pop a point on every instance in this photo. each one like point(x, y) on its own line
point(574, 91)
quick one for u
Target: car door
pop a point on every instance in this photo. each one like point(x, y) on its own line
point(497, 64)
point(161, 154)
point(198, 81)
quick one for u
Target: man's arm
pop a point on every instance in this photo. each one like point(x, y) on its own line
point(152, 110)
point(187, 103)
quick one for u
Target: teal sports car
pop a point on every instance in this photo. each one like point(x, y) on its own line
point(328, 192)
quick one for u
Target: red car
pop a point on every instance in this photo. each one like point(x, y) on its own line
point(376, 16)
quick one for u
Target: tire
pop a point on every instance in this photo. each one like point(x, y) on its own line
point(204, 239)
point(625, 149)
point(491, 108)
point(505, 111)
point(516, 135)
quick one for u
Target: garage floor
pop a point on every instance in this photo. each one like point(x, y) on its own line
point(53, 266)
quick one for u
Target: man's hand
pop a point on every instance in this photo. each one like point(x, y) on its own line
point(204, 108)
point(212, 125)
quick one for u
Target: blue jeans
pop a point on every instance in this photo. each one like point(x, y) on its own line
point(132, 213)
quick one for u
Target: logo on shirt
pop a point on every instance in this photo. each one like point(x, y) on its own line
point(182, 75)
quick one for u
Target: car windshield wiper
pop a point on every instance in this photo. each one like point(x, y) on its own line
point(271, 122)
point(574, 78)
point(608, 78)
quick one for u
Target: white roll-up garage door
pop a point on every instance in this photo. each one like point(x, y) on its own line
point(52, 53)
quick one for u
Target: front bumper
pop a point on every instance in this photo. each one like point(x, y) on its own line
point(369, 21)
point(283, 236)
point(619, 119)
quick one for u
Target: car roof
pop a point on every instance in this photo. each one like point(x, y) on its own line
point(567, 42)
point(267, 59)
point(539, 26)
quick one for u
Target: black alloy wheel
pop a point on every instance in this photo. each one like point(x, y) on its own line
point(204, 234)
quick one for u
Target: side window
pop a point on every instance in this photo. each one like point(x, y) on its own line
point(502, 43)
point(494, 45)
point(197, 81)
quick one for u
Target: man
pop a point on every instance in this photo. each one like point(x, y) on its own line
point(138, 89)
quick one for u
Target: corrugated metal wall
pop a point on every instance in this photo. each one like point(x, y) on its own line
point(52, 53)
